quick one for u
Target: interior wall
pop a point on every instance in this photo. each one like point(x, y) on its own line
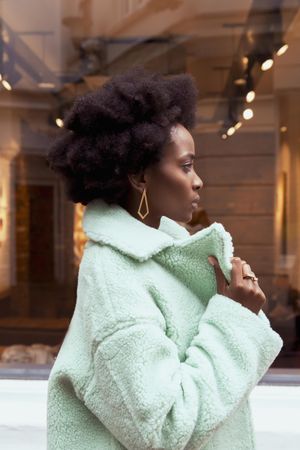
point(5, 224)
point(239, 184)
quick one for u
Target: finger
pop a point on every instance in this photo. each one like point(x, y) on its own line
point(237, 271)
point(246, 269)
point(220, 278)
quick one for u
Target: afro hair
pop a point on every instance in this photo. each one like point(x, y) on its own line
point(120, 129)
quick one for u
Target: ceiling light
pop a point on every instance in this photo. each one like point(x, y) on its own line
point(10, 77)
point(230, 131)
point(240, 81)
point(283, 129)
point(267, 64)
point(245, 60)
point(224, 136)
point(238, 125)
point(59, 122)
point(6, 85)
point(282, 49)
point(46, 85)
point(248, 113)
point(250, 96)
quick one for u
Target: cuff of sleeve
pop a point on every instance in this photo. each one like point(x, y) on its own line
point(251, 330)
point(263, 317)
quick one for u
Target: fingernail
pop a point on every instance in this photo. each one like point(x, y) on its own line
point(211, 260)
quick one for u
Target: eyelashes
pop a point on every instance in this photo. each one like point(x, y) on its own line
point(188, 167)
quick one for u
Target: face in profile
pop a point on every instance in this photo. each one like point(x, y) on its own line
point(172, 184)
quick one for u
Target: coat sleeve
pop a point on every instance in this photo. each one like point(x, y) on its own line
point(149, 399)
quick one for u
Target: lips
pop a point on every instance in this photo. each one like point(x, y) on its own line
point(196, 201)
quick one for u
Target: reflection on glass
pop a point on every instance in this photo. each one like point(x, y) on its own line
point(52, 52)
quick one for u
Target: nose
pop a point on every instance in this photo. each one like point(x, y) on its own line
point(197, 183)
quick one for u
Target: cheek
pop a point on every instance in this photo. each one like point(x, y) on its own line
point(173, 185)
point(168, 184)
point(179, 182)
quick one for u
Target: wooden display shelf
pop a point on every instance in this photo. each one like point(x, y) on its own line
point(28, 330)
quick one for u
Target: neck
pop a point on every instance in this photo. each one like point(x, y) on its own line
point(131, 204)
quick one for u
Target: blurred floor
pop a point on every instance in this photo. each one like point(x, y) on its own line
point(276, 411)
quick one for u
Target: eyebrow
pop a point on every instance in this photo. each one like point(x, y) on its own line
point(191, 155)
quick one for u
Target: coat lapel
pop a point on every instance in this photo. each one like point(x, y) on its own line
point(171, 245)
point(113, 225)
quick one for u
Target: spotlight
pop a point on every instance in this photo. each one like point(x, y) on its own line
point(283, 129)
point(59, 122)
point(245, 60)
point(230, 131)
point(238, 125)
point(267, 64)
point(248, 113)
point(249, 90)
point(224, 136)
point(6, 85)
point(240, 81)
point(45, 85)
point(282, 49)
point(10, 78)
point(250, 96)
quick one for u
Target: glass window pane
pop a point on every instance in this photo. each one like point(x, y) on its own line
point(245, 58)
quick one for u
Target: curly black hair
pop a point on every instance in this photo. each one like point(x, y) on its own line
point(120, 129)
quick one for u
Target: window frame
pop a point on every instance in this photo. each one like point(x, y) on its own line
point(10, 371)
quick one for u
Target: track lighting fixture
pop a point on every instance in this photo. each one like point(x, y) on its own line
point(9, 77)
point(6, 84)
point(281, 49)
point(267, 63)
point(59, 122)
point(230, 131)
point(248, 113)
point(250, 96)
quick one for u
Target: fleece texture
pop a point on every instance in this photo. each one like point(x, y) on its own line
point(154, 358)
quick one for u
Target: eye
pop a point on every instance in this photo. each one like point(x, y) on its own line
point(187, 167)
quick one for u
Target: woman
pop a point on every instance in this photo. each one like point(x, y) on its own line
point(163, 349)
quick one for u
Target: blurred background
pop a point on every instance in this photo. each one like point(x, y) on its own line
point(245, 57)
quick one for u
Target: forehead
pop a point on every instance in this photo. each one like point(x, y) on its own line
point(181, 143)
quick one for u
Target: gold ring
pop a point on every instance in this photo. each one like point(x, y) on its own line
point(249, 274)
point(250, 277)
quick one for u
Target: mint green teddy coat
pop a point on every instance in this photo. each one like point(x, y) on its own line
point(153, 357)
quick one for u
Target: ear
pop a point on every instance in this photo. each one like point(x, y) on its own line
point(137, 181)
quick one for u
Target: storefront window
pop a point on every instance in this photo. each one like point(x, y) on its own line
point(245, 58)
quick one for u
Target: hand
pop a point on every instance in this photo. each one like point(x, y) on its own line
point(245, 291)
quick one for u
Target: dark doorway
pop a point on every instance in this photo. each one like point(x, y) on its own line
point(41, 232)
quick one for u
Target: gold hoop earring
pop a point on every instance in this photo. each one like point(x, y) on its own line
point(143, 199)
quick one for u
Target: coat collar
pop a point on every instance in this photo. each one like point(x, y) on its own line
point(113, 225)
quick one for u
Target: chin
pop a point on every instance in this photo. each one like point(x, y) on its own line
point(183, 219)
